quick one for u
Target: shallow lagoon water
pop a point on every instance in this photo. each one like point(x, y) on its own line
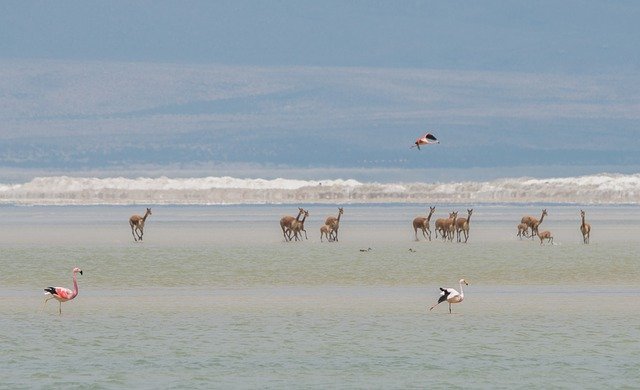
point(215, 298)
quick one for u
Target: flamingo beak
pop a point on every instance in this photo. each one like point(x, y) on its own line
point(81, 272)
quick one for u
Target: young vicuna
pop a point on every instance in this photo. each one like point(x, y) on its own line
point(325, 230)
point(286, 221)
point(137, 224)
point(462, 226)
point(585, 228)
point(423, 224)
point(523, 230)
point(546, 235)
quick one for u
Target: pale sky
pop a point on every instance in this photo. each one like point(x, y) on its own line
point(320, 87)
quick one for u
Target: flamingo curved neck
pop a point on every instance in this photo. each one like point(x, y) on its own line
point(75, 285)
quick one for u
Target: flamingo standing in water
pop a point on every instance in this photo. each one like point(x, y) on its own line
point(62, 294)
point(451, 295)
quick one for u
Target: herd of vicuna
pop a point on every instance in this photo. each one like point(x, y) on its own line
point(292, 228)
point(449, 228)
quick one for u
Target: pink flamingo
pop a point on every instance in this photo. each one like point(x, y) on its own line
point(62, 294)
point(426, 140)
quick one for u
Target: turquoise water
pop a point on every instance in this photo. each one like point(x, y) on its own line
point(215, 298)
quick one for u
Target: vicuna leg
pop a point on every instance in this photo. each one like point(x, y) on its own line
point(139, 229)
point(133, 232)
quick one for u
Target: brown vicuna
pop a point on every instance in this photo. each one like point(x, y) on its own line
point(325, 230)
point(451, 232)
point(334, 222)
point(585, 228)
point(423, 224)
point(523, 230)
point(442, 225)
point(533, 223)
point(286, 221)
point(462, 226)
point(137, 224)
point(298, 226)
point(546, 235)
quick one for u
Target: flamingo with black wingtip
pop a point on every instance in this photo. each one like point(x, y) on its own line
point(428, 139)
point(62, 294)
point(451, 295)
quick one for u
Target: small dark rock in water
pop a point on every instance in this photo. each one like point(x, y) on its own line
point(365, 250)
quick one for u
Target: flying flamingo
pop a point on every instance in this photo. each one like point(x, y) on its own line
point(450, 295)
point(426, 140)
point(62, 294)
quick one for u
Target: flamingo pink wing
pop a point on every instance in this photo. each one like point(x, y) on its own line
point(64, 293)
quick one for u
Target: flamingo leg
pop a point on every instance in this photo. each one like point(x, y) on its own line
point(45, 302)
point(449, 308)
point(60, 308)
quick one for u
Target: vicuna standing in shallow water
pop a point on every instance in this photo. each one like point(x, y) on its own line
point(585, 228)
point(442, 225)
point(334, 222)
point(286, 221)
point(298, 226)
point(462, 225)
point(452, 227)
point(423, 224)
point(533, 223)
point(137, 224)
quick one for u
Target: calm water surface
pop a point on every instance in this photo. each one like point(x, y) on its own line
point(215, 298)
